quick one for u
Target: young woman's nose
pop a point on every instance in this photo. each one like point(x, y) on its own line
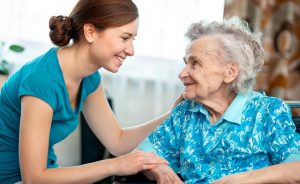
point(129, 48)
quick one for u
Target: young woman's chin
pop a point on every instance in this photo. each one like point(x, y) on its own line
point(112, 69)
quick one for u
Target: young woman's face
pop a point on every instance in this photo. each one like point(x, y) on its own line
point(113, 45)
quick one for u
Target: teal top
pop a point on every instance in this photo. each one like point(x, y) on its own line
point(41, 78)
point(255, 131)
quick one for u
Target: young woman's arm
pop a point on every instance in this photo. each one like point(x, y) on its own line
point(36, 117)
point(104, 124)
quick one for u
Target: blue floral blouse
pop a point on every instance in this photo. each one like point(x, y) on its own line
point(255, 131)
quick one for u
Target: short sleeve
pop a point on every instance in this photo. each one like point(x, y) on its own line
point(92, 83)
point(283, 140)
point(146, 146)
point(42, 86)
point(165, 141)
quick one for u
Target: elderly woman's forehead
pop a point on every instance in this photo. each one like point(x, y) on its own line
point(204, 45)
point(208, 40)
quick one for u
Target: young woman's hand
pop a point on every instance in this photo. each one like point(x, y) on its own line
point(135, 162)
point(162, 174)
point(177, 101)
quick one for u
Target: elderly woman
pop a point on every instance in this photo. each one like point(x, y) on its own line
point(224, 132)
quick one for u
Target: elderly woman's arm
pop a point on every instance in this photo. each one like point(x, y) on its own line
point(280, 173)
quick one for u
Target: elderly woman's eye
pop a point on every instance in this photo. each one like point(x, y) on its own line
point(184, 60)
point(194, 63)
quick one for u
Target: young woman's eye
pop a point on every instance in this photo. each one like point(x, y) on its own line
point(125, 38)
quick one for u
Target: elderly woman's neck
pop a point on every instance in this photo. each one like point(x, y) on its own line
point(217, 105)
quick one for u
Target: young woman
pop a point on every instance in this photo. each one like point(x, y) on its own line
point(40, 103)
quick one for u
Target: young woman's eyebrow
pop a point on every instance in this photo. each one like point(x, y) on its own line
point(129, 34)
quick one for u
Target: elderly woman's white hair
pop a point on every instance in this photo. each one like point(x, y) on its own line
point(238, 44)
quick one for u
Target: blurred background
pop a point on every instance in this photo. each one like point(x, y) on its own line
point(278, 20)
point(147, 84)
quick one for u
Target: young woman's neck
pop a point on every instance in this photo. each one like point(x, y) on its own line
point(75, 63)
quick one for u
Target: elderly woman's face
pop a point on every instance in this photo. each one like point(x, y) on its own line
point(204, 73)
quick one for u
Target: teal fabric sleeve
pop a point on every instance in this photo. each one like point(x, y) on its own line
point(147, 146)
point(42, 86)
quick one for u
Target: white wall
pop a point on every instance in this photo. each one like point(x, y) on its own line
point(163, 24)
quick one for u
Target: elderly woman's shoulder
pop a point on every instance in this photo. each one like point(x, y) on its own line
point(268, 102)
point(184, 105)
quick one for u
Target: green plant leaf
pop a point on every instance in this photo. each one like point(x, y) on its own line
point(16, 48)
point(4, 71)
point(5, 67)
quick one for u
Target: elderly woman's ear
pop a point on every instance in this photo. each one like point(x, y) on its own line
point(231, 71)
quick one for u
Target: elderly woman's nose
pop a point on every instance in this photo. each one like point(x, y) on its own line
point(184, 73)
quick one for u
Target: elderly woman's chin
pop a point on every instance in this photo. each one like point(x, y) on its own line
point(189, 95)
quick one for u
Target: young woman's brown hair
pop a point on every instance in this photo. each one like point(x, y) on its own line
point(101, 13)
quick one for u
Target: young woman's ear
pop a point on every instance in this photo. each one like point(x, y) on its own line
point(89, 32)
point(231, 72)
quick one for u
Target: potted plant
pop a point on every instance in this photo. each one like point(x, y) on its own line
point(5, 64)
